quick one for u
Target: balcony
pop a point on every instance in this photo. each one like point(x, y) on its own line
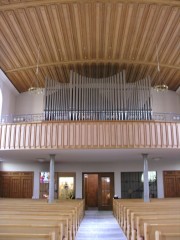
point(34, 132)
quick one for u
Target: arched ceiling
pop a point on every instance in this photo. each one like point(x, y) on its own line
point(94, 38)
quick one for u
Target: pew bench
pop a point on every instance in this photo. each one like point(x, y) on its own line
point(138, 219)
point(64, 231)
point(166, 236)
point(23, 236)
point(151, 228)
point(33, 228)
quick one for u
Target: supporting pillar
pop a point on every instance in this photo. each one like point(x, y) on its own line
point(146, 181)
point(51, 183)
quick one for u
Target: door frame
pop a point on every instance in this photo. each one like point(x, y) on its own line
point(100, 174)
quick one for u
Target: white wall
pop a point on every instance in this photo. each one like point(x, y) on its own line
point(167, 102)
point(27, 103)
point(79, 168)
point(9, 94)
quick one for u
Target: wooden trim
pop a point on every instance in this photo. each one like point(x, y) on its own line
point(27, 4)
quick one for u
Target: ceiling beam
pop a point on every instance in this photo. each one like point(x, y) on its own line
point(22, 4)
point(96, 61)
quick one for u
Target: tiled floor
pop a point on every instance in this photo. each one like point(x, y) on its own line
point(99, 225)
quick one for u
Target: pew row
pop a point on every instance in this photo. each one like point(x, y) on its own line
point(166, 236)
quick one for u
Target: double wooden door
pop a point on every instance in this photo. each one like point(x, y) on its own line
point(98, 190)
point(171, 184)
point(16, 184)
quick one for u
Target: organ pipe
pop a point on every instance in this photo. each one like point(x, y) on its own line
point(98, 99)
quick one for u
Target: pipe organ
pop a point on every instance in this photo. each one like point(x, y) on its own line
point(109, 98)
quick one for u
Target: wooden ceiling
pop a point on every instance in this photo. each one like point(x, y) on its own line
point(94, 38)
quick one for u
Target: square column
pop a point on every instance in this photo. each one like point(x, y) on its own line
point(51, 183)
point(146, 181)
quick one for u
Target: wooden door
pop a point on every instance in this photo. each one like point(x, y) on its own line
point(98, 190)
point(91, 190)
point(171, 184)
point(5, 183)
point(105, 191)
point(15, 187)
point(16, 184)
point(27, 187)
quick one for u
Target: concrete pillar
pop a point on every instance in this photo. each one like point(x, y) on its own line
point(51, 183)
point(146, 181)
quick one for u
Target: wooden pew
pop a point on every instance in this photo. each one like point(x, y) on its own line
point(77, 212)
point(140, 229)
point(33, 228)
point(137, 229)
point(126, 212)
point(166, 236)
point(22, 236)
point(151, 228)
point(39, 220)
point(150, 211)
point(68, 213)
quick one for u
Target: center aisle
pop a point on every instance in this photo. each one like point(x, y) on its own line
point(99, 225)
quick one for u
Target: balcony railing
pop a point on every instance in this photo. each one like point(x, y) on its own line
point(92, 116)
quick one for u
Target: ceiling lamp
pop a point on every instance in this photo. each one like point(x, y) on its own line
point(161, 87)
point(35, 88)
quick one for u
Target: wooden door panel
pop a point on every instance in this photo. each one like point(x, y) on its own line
point(5, 189)
point(27, 187)
point(105, 191)
point(16, 184)
point(15, 187)
point(172, 184)
point(177, 186)
point(92, 190)
point(170, 189)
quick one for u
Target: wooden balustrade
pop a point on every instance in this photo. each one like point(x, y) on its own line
point(90, 134)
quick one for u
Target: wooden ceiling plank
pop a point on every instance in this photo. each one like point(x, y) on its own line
point(137, 24)
point(28, 35)
point(50, 38)
point(117, 30)
point(7, 41)
point(75, 31)
point(102, 31)
point(146, 29)
point(107, 26)
point(155, 34)
point(97, 29)
point(5, 62)
point(15, 27)
point(130, 33)
point(112, 30)
point(162, 43)
point(77, 26)
point(129, 10)
point(59, 32)
point(46, 32)
point(174, 43)
point(17, 24)
point(68, 29)
point(93, 30)
point(34, 17)
point(87, 22)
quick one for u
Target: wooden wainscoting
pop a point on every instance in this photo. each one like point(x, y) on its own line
point(16, 184)
point(171, 184)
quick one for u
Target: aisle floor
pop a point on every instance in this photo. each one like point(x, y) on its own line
point(99, 225)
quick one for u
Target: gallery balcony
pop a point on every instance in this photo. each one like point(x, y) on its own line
point(76, 131)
